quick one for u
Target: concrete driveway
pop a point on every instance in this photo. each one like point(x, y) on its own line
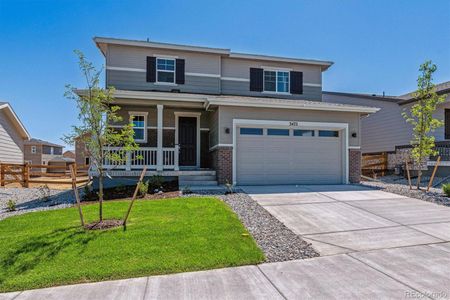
point(346, 218)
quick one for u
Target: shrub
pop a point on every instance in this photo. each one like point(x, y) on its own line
point(143, 188)
point(11, 205)
point(229, 188)
point(446, 189)
point(156, 182)
point(186, 190)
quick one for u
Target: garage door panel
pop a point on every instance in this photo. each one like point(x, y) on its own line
point(288, 160)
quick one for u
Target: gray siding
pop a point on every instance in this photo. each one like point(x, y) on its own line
point(132, 80)
point(383, 130)
point(228, 113)
point(205, 73)
point(213, 128)
point(230, 87)
point(440, 114)
point(11, 144)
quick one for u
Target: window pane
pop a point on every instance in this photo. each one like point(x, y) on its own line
point(300, 132)
point(284, 132)
point(138, 134)
point(165, 64)
point(138, 121)
point(166, 76)
point(329, 133)
point(283, 82)
point(251, 131)
point(270, 81)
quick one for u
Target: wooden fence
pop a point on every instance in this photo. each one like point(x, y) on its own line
point(374, 165)
point(29, 173)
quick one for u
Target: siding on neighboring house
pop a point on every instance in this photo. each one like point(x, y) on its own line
point(387, 128)
point(381, 131)
point(11, 143)
point(33, 158)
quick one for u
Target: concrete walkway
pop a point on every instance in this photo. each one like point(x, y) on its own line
point(374, 245)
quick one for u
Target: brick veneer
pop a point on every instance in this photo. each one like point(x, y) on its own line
point(223, 164)
point(354, 167)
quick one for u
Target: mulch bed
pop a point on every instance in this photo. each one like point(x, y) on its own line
point(105, 224)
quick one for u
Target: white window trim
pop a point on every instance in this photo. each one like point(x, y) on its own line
point(301, 125)
point(174, 71)
point(33, 149)
point(144, 114)
point(276, 81)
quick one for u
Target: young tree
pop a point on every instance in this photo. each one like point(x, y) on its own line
point(96, 113)
point(421, 116)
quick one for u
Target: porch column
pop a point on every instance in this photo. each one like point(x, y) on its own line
point(159, 135)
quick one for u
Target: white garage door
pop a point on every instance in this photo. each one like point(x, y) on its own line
point(288, 156)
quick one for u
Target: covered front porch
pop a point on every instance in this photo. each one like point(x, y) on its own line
point(172, 136)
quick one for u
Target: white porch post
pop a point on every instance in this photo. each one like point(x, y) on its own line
point(159, 134)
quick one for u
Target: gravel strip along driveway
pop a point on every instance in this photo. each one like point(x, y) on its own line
point(277, 241)
point(434, 195)
point(30, 199)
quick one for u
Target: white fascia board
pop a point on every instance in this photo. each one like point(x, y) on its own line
point(21, 127)
point(114, 41)
point(302, 105)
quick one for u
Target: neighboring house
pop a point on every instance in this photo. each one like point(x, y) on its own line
point(12, 135)
point(39, 152)
point(387, 130)
point(234, 117)
point(69, 154)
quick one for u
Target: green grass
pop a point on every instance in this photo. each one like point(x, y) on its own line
point(49, 248)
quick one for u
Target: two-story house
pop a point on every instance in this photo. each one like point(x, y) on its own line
point(211, 114)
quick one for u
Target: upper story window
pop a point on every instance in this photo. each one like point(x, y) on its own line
point(139, 124)
point(165, 70)
point(276, 81)
point(33, 149)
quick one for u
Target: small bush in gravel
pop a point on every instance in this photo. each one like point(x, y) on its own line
point(446, 189)
point(44, 192)
point(11, 205)
point(186, 190)
point(229, 188)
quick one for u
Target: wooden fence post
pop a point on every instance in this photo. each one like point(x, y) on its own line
point(2, 175)
point(134, 196)
point(407, 172)
point(26, 175)
point(434, 173)
point(75, 190)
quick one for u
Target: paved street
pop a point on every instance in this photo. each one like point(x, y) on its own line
point(374, 245)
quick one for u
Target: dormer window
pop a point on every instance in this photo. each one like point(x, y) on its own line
point(165, 70)
point(276, 81)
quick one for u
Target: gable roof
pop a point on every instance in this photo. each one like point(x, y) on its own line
point(101, 42)
point(441, 89)
point(367, 96)
point(34, 141)
point(5, 106)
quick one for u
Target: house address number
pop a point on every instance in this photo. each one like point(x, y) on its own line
point(293, 123)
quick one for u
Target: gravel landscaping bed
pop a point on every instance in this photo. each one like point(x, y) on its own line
point(277, 241)
point(33, 199)
point(399, 185)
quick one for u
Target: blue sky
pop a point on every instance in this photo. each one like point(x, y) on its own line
point(376, 45)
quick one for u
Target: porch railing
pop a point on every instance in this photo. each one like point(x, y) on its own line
point(443, 149)
point(144, 156)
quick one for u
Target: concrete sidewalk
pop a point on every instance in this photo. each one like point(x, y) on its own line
point(406, 272)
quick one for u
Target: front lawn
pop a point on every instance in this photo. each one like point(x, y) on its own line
point(49, 248)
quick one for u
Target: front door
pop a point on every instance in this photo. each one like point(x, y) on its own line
point(187, 140)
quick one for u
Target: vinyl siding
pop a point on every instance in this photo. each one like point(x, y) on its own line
point(228, 113)
point(383, 130)
point(11, 144)
point(213, 128)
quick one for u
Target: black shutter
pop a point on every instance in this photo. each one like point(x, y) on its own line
point(447, 124)
point(256, 80)
point(296, 82)
point(179, 70)
point(151, 69)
